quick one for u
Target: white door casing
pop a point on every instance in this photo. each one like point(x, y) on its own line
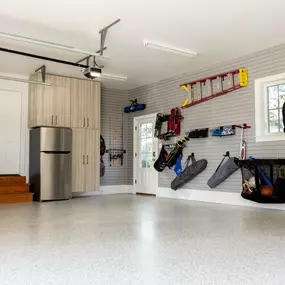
point(10, 128)
point(145, 154)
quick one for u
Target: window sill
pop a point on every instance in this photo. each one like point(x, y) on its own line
point(270, 137)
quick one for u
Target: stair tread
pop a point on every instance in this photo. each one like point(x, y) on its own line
point(15, 193)
point(9, 182)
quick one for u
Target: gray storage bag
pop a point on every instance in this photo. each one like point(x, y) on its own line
point(189, 172)
point(224, 171)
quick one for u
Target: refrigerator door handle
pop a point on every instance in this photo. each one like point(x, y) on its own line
point(52, 120)
point(87, 159)
point(84, 123)
point(56, 120)
point(87, 122)
point(83, 158)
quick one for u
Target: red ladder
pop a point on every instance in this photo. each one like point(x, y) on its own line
point(197, 97)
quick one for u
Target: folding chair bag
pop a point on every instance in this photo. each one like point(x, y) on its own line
point(189, 172)
point(223, 171)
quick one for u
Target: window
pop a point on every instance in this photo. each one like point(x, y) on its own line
point(146, 145)
point(276, 99)
point(269, 100)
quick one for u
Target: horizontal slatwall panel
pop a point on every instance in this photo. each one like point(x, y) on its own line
point(236, 107)
point(112, 104)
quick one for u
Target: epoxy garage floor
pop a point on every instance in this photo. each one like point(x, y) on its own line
point(127, 239)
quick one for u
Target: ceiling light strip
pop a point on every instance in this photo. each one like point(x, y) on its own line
point(50, 44)
point(25, 80)
point(170, 49)
point(114, 77)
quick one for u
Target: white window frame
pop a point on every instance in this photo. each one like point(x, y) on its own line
point(261, 108)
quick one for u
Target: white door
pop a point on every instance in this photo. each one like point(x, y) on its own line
point(145, 154)
point(10, 129)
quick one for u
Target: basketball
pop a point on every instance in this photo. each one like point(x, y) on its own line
point(267, 190)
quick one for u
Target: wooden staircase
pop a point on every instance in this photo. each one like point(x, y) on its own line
point(13, 189)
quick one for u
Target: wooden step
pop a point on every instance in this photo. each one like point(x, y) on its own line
point(9, 187)
point(16, 197)
point(14, 178)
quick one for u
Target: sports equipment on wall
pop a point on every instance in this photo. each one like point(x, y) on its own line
point(224, 170)
point(263, 171)
point(102, 152)
point(178, 166)
point(135, 106)
point(189, 172)
point(203, 90)
point(242, 153)
point(169, 159)
point(198, 133)
point(223, 131)
point(115, 153)
point(173, 124)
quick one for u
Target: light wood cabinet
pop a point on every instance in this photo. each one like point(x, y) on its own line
point(74, 103)
point(49, 105)
point(85, 160)
point(85, 104)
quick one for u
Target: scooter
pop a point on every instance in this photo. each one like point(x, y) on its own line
point(242, 153)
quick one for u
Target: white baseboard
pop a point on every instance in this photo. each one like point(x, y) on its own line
point(213, 197)
point(107, 190)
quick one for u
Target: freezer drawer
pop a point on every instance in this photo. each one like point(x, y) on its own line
point(55, 139)
point(55, 176)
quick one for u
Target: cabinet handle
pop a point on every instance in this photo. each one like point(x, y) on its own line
point(87, 122)
point(84, 123)
point(56, 120)
point(83, 158)
point(87, 159)
point(52, 120)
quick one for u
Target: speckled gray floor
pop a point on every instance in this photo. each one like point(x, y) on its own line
point(126, 239)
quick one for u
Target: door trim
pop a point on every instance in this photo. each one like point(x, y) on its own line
point(135, 122)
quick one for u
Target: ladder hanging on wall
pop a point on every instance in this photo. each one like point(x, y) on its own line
point(202, 90)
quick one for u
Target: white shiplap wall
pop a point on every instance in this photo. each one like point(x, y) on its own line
point(236, 107)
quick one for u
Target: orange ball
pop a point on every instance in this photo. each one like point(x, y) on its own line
point(267, 190)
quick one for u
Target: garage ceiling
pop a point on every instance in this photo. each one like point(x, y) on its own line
point(218, 30)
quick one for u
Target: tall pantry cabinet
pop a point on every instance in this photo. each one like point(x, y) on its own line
point(73, 103)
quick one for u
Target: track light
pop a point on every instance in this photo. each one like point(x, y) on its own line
point(170, 49)
point(92, 72)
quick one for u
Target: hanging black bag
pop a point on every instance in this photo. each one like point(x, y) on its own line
point(189, 172)
point(224, 171)
point(160, 163)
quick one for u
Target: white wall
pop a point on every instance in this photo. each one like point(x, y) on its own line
point(24, 132)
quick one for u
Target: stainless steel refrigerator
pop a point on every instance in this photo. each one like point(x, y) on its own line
point(50, 163)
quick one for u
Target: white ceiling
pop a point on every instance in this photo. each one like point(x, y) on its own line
point(218, 30)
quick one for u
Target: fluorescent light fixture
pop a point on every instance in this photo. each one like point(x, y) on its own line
point(114, 77)
point(50, 44)
point(25, 80)
point(170, 49)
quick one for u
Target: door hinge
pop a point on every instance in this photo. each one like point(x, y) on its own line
point(135, 181)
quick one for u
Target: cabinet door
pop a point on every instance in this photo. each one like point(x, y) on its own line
point(76, 104)
point(79, 160)
point(80, 101)
point(94, 106)
point(93, 160)
point(45, 103)
point(61, 101)
point(32, 113)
